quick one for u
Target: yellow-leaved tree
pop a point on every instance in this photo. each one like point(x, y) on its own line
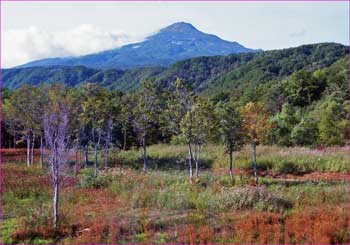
point(256, 124)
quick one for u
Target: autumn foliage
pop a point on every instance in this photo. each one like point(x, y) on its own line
point(255, 122)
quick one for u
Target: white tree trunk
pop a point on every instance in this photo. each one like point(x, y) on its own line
point(86, 155)
point(230, 153)
point(190, 156)
point(145, 165)
point(76, 161)
point(108, 140)
point(28, 149)
point(254, 164)
point(41, 151)
point(95, 164)
point(56, 126)
point(55, 201)
point(96, 149)
point(106, 157)
point(32, 160)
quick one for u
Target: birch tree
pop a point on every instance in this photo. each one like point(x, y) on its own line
point(56, 129)
point(125, 117)
point(256, 123)
point(145, 115)
point(230, 129)
point(93, 115)
point(24, 111)
point(111, 117)
point(197, 128)
point(179, 105)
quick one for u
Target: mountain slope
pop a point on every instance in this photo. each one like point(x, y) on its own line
point(225, 72)
point(71, 76)
point(208, 74)
point(176, 42)
point(124, 80)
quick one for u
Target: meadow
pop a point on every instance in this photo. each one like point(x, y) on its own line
point(302, 197)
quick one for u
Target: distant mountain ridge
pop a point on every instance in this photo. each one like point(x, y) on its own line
point(176, 42)
point(203, 73)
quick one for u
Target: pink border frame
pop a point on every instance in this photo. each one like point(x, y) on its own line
point(217, 1)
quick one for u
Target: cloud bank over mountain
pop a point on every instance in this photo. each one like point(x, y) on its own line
point(20, 46)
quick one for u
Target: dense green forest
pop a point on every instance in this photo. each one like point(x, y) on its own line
point(292, 97)
point(93, 130)
point(207, 74)
point(308, 107)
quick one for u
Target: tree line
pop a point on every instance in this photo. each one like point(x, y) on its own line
point(291, 112)
point(306, 109)
point(98, 119)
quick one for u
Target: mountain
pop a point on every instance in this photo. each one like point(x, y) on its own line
point(71, 76)
point(176, 42)
point(205, 74)
point(232, 71)
point(123, 80)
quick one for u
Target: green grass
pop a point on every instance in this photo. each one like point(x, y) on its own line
point(313, 194)
point(7, 228)
point(277, 159)
point(171, 190)
point(162, 199)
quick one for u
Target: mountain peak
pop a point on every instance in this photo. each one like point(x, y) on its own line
point(178, 41)
point(179, 27)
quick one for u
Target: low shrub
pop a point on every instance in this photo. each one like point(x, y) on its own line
point(8, 226)
point(260, 228)
point(250, 197)
point(326, 225)
point(89, 180)
point(39, 226)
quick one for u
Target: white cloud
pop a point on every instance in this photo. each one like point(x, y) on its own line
point(20, 46)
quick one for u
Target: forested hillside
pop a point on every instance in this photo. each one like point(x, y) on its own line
point(210, 74)
point(124, 80)
point(234, 149)
point(309, 107)
point(223, 72)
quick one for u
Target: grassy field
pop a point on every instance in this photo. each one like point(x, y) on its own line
point(277, 159)
point(303, 197)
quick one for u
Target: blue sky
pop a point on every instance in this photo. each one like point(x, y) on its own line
point(34, 30)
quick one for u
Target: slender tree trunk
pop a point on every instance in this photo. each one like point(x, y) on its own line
point(86, 150)
point(28, 149)
point(231, 152)
point(197, 156)
point(195, 159)
point(108, 140)
point(79, 156)
point(76, 161)
point(55, 200)
point(145, 165)
point(32, 161)
point(95, 164)
point(55, 180)
point(81, 153)
point(254, 164)
point(124, 129)
point(106, 151)
point(96, 149)
point(68, 157)
point(41, 151)
point(190, 160)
